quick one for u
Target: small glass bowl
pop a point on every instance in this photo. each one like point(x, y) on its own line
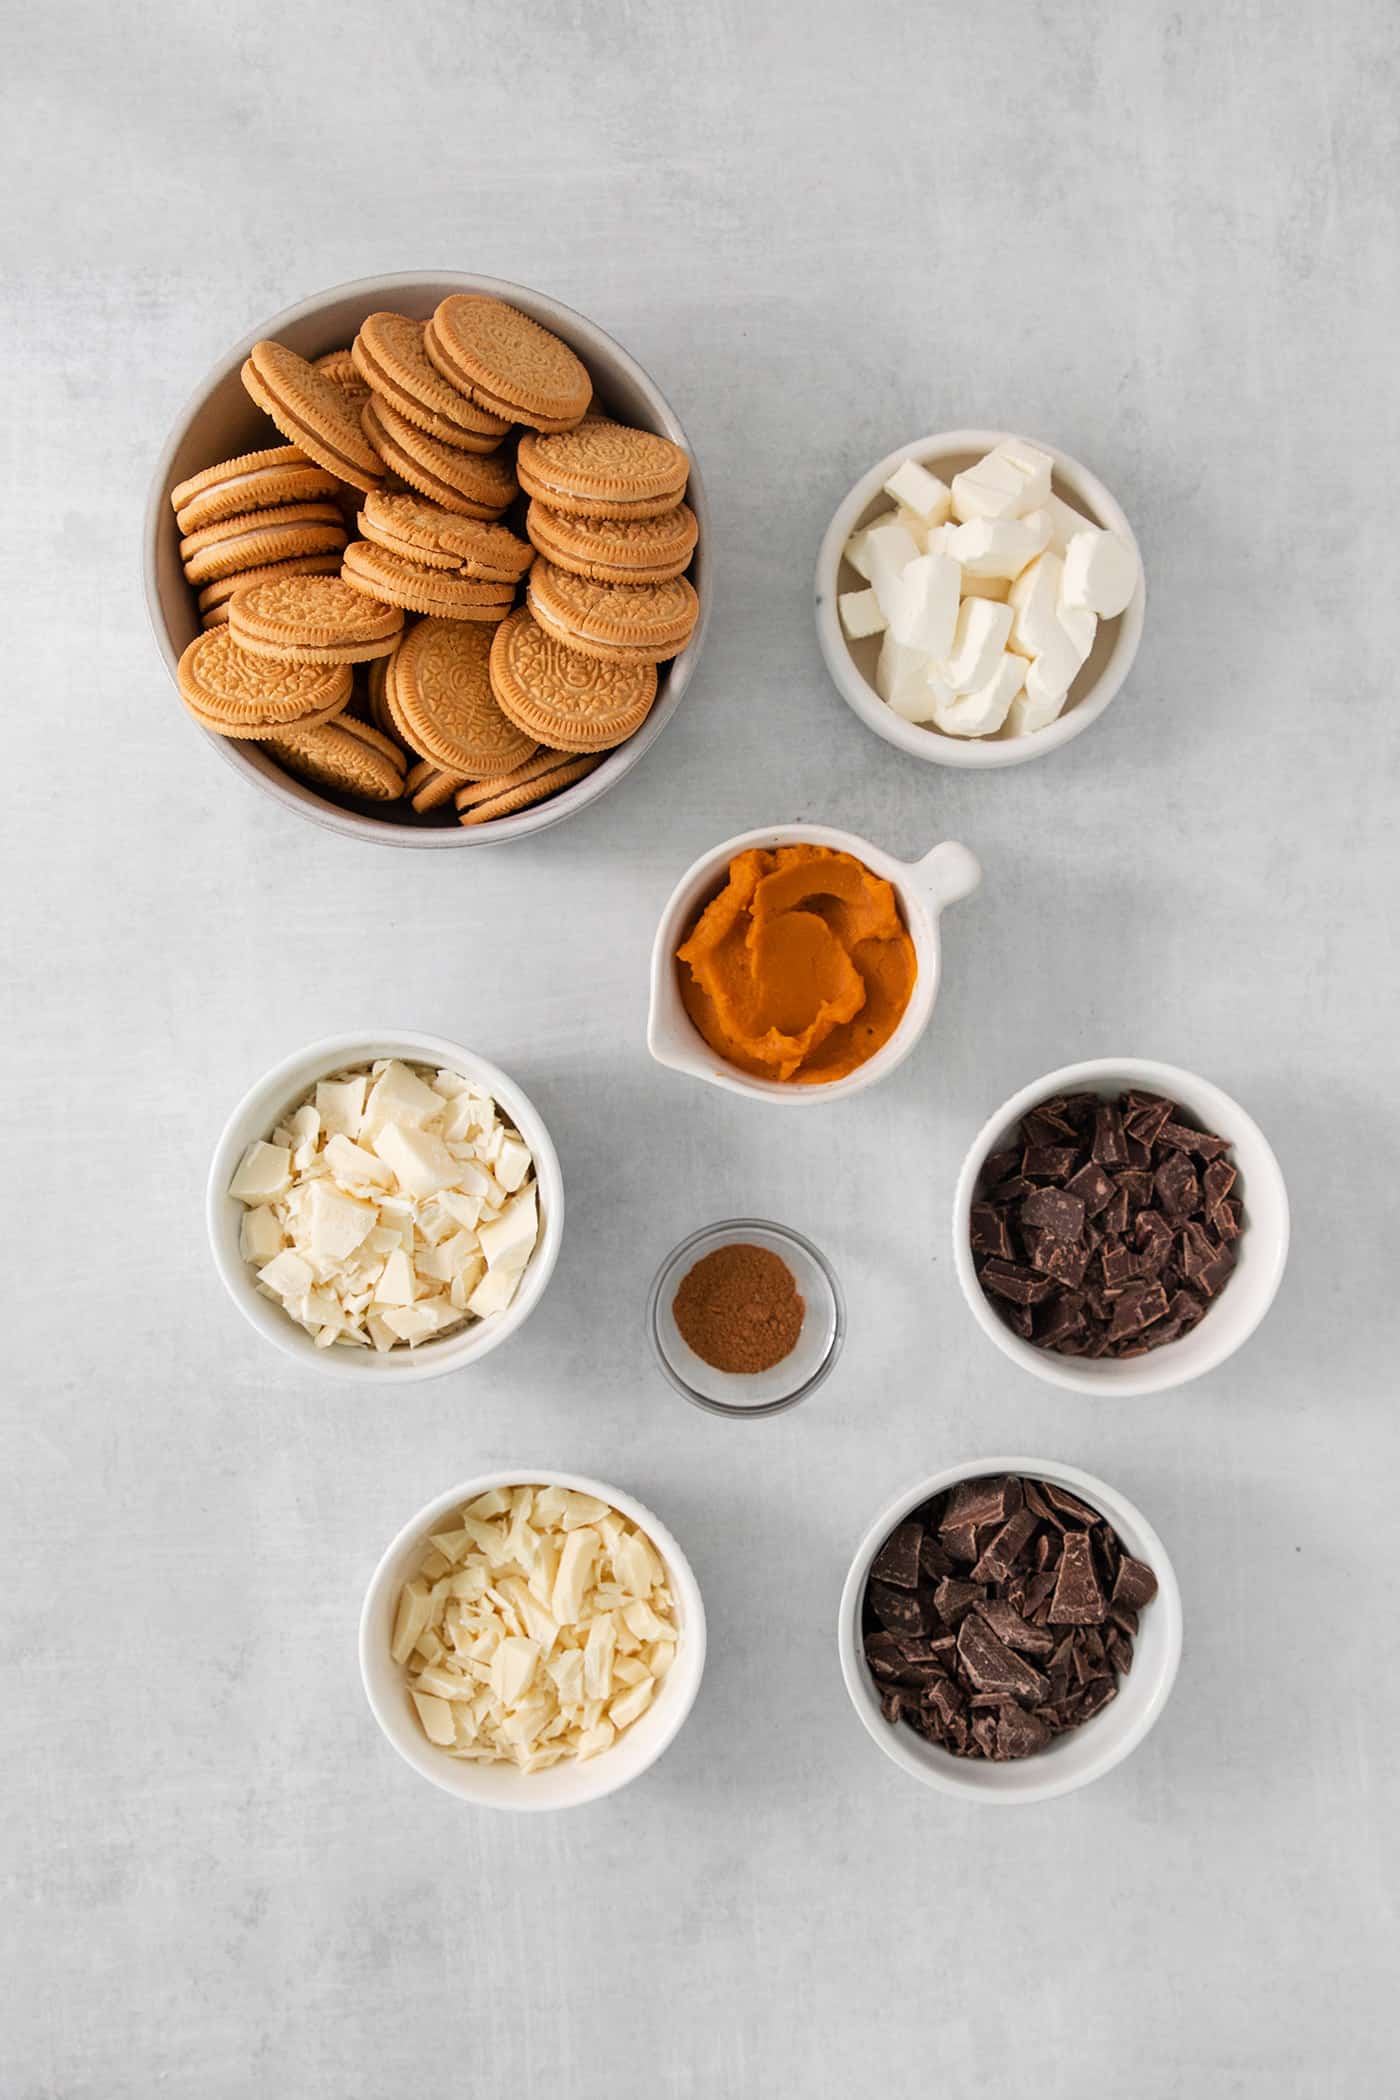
point(801, 1371)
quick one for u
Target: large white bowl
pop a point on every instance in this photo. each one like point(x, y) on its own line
point(852, 664)
point(1261, 1250)
point(258, 1114)
point(570, 1783)
point(219, 421)
point(925, 888)
point(1082, 1754)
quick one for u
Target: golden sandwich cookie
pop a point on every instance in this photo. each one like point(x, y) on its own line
point(347, 756)
point(618, 623)
point(394, 581)
point(419, 531)
point(507, 802)
point(475, 484)
point(260, 538)
point(430, 786)
point(313, 619)
point(255, 481)
point(239, 695)
point(603, 470)
point(391, 362)
point(214, 598)
point(564, 699)
point(508, 363)
point(438, 691)
point(615, 550)
point(313, 411)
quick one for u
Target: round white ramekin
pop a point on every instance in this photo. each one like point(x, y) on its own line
point(1082, 1754)
point(219, 421)
point(1262, 1248)
point(258, 1114)
point(852, 664)
point(925, 888)
point(570, 1783)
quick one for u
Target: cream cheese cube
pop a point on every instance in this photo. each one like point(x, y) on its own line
point(1035, 605)
point(1101, 573)
point(924, 611)
point(1052, 671)
point(997, 588)
point(980, 638)
point(981, 713)
point(263, 1172)
point(860, 614)
point(889, 550)
point(857, 547)
point(901, 680)
point(914, 488)
point(1009, 480)
point(1065, 521)
point(1025, 715)
point(996, 546)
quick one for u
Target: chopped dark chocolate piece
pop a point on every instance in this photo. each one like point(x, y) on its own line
point(1119, 1652)
point(1092, 1186)
point(1213, 1279)
point(1116, 1213)
point(1140, 1304)
point(1055, 1211)
point(1019, 1734)
point(1000, 1166)
point(953, 1600)
point(1136, 1584)
point(1009, 1280)
point(1176, 1186)
point(1064, 1504)
point(900, 1611)
point(1228, 1218)
point(1008, 1625)
point(1110, 1144)
point(1144, 1118)
point(1094, 1698)
point(1064, 1316)
point(1050, 1162)
point(932, 1559)
point(1216, 1182)
point(960, 1544)
point(898, 1559)
point(990, 1233)
point(993, 1667)
point(1118, 1264)
point(1047, 1125)
point(999, 1556)
point(987, 1500)
point(1078, 1599)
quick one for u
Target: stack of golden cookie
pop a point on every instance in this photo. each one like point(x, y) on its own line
point(409, 436)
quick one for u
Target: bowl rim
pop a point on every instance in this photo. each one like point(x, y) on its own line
point(976, 754)
point(432, 1359)
point(1125, 1516)
point(413, 1747)
point(1160, 1370)
point(731, 1410)
point(330, 816)
point(669, 1039)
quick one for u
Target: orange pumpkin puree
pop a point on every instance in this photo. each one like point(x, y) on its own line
point(801, 967)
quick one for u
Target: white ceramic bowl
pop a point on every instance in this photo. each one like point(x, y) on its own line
point(568, 1784)
point(924, 888)
point(258, 1114)
point(852, 664)
point(220, 421)
point(1082, 1754)
point(1262, 1248)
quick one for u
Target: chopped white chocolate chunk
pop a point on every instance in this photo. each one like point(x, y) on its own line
point(497, 1673)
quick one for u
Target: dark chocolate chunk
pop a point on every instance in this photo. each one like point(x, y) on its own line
point(1019, 1734)
point(1110, 1144)
point(1136, 1585)
point(1008, 1625)
point(932, 1559)
point(1118, 1264)
point(1078, 1599)
point(1144, 1119)
point(1139, 1305)
point(901, 1611)
point(1092, 1186)
point(1047, 1125)
point(1050, 1162)
point(1000, 1166)
point(1176, 1186)
point(898, 1559)
point(991, 1666)
point(1064, 1504)
point(1055, 1211)
point(1116, 1214)
point(1213, 1279)
point(999, 1556)
point(1065, 1316)
point(1021, 1286)
point(953, 1600)
point(988, 1500)
point(990, 1234)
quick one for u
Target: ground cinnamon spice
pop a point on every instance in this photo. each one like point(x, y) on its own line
point(740, 1309)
